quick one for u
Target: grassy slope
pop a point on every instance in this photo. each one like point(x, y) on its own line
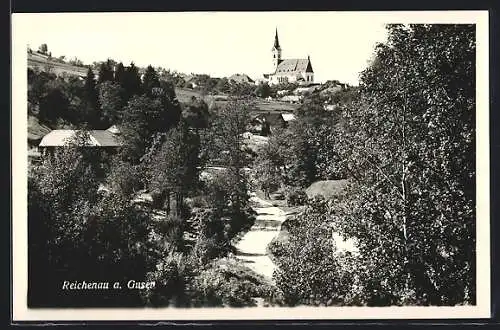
point(184, 95)
point(42, 62)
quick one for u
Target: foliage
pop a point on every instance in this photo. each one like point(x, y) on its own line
point(106, 72)
point(77, 234)
point(263, 90)
point(409, 145)
point(111, 102)
point(296, 197)
point(150, 81)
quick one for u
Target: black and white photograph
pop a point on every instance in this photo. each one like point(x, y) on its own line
point(251, 165)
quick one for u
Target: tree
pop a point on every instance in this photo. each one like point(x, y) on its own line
point(173, 168)
point(106, 72)
point(91, 99)
point(196, 114)
point(225, 146)
point(131, 82)
point(409, 144)
point(139, 125)
point(263, 90)
point(150, 80)
point(43, 49)
point(77, 233)
point(110, 101)
point(119, 74)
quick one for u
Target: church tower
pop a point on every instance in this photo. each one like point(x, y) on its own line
point(276, 51)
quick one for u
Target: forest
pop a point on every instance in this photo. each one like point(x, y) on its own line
point(403, 140)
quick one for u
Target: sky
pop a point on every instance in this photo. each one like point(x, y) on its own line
point(216, 43)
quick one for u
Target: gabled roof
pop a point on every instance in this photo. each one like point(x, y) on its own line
point(105, 138)
point(64, 137)
point(241, 78)
point(294, 66)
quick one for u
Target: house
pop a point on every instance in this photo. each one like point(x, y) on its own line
point(241, 79)
point(264, 124)
point(288, 117)
point(289, 70)
point(58, 138)
point(292, 98)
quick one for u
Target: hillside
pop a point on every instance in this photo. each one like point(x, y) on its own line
point(42, 62)
point(184, 95)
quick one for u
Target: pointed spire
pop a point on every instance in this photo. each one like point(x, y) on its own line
point(276, 41)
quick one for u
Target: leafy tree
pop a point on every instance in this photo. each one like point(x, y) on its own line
point(131, 82)
point(111, 102)
point(91, 99)
point(150, 80)
point(173, 169)
point(196, 114)
point(225, 146)
point(43, 49)
point(139, 124)
point(77, 233)
point(409, 144)
point(223, 85)
point(119, 74)
point(105, 72)
point(53, 105)
point(263, 90)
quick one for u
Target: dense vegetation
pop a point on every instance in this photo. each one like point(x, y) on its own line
point(406, 142)
point(82, 223)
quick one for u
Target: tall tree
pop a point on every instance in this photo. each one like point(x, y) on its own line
point(91, 101)
point(111, 102)
point(106, 72)
point(131, 82)
point(410, 146)
point(119, 74)
point(150, 80)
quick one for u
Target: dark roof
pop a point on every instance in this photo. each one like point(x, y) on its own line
point(276, 41)
point(294, 66)
point(273, 118)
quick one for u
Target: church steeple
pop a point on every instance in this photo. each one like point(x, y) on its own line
point(276, 40)
point(276, 51)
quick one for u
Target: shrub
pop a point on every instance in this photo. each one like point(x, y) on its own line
point(296, 197)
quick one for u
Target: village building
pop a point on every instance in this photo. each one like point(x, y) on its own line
point(289, 70)
point(241, 79)
point(107, 140)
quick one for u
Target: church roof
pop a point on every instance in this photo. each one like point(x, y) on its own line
point(294, 66)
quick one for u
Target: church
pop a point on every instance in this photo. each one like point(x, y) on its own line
point(289, 70)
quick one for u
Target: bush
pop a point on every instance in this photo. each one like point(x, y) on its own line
point(296, 197)
point(227, 283)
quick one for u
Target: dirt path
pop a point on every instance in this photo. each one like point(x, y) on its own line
point(252, 246)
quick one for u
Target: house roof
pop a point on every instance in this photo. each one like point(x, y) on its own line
point(64, 137)
point(294, 65)
point(114, 129)
point(241, 78)
point(288, 116)
point(272, 118)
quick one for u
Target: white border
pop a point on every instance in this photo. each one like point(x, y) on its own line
point(20, 32)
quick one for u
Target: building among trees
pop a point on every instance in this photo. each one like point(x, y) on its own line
point(289, 70)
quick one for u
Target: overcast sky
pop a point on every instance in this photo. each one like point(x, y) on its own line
point(340, 44)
